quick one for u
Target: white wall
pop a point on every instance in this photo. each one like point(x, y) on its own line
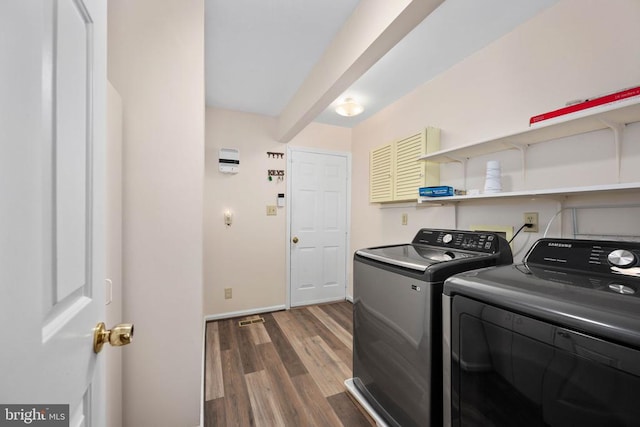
point(156, 63)
point(249, 256)
point(576, 49)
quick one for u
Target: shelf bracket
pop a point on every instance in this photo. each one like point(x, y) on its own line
point(618, 129)
point(458, 159)
point(523, 159)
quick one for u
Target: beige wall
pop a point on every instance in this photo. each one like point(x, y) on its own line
point(249, 256)
point(156, 63)
point(113, 311)
point(575, 49)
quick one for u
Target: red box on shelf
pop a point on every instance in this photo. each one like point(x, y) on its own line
point(590, 103)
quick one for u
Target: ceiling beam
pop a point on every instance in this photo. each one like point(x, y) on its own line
point(371, 31)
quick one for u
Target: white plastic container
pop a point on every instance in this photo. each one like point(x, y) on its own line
point(493, 179)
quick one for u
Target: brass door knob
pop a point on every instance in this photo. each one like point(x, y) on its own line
point(294, 240)
point(120, 335)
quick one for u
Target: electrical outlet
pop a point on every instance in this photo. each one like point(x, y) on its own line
point(272, 210)
point(531, 218)
point(228, 293)
point(405, 218)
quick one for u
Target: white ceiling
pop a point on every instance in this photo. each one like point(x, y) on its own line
point(257, 54)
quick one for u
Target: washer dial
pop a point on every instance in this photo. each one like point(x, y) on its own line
point(621, 258)
point(447, 238)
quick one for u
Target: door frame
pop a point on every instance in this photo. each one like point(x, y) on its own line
point(289, 203)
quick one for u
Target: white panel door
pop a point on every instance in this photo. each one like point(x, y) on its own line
point(318, 227)
point(52, 133)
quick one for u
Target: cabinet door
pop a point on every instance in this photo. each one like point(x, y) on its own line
point(381, 174)
point(395, 173)
point(431, 169)
point(409, 170)
point(411, 173)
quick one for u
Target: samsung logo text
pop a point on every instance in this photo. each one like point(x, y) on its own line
point(559, 245)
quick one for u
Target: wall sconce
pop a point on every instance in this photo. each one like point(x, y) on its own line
point(349, 108)
point(228, 217)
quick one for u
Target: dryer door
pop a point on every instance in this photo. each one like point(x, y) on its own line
point(508, 369)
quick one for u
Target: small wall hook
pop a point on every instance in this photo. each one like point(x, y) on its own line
point(275, 155)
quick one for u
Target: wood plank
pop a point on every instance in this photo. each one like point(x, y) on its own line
point(214, 385)
point(259, 333)
point(324, 366)
point(266, 410)
point(333, 326)
point(290, 326)
point(237, 403)
point(224, 334)
point(287, 354)
point(347, 309)
point(288, 399)
point(214, 414)
point(342, 313)
point(318, 408)
point(350, 414)
point(248, 355)
point(308, 325)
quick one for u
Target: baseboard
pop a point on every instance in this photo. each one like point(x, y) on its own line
point(350, 298)
point(202, 372)
point(240, 313)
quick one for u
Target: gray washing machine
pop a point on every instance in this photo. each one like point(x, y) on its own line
point(397, 368)
point(554, 341)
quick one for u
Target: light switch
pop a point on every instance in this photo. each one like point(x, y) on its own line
point(272, 210)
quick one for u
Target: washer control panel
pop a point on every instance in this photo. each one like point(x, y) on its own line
point(459, 240)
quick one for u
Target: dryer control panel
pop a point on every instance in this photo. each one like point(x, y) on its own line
point(588, 256)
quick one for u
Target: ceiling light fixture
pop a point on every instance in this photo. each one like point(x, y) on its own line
point(349, 108)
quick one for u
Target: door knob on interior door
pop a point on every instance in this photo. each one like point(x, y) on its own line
point(294, 240)
point(120, 335)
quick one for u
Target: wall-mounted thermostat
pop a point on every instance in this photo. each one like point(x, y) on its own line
point(229, 160)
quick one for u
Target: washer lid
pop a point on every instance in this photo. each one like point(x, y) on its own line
point(414, 257)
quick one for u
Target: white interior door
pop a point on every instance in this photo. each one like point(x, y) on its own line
point(318, 244)
point(52, 133)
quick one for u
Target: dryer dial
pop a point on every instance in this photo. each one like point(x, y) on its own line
point(621, 289)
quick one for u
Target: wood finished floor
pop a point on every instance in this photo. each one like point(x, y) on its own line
point(287, 371)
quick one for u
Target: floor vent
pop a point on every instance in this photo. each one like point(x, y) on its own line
point(249, 322)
